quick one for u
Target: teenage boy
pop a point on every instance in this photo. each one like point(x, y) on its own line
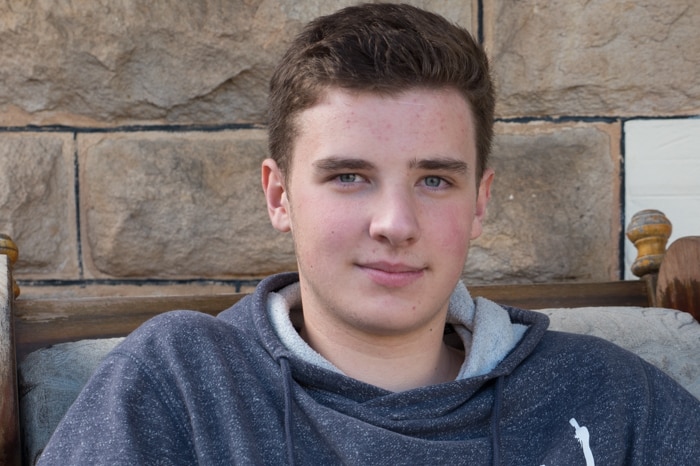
point(380, 127)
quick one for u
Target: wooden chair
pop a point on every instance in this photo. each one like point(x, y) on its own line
point(668, 279)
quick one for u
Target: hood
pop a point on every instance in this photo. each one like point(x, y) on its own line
point(420, 412)
point(259, 323)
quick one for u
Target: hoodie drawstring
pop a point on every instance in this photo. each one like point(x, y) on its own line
point(287, 387)
point(495, 422)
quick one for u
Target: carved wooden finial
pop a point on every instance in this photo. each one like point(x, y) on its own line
point(9, 248)
point(649, 231)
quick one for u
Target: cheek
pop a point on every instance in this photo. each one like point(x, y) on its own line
point(452, 229)
point(324, 229)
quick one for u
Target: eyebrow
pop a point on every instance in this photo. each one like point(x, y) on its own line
point(342, 163)
point(441, 164)
point(331, 164)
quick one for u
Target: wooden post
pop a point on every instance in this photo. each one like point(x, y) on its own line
point(649, 231)
point(10, 453)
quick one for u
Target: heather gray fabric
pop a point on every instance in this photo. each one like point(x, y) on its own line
point(666, 338)
point(187, 388)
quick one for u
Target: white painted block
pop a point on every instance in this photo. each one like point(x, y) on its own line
point(662, 171)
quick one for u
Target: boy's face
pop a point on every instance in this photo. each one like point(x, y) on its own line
point(382, 203)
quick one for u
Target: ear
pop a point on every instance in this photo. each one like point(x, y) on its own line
point(482, 199)
point(275, 195)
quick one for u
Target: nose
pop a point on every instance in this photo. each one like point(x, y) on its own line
point(395, 218)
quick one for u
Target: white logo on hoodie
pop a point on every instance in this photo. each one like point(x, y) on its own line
point(583, 438)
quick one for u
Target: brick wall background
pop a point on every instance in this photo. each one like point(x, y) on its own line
point(131, 135)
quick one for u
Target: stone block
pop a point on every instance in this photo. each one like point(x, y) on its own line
point(177, 205)
point(598, 57)
point(554, 212)
point(37, 203)
point(174, 61)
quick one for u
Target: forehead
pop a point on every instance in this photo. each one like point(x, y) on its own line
point(417, 121)
point(341, 100)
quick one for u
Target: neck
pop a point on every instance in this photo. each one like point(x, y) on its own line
point(393, 362)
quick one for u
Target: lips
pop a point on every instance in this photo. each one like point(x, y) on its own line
point(392, 275)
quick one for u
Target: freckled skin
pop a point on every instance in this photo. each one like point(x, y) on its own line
point(380, 247)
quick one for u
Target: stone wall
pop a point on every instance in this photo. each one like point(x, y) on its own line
point(131, 135)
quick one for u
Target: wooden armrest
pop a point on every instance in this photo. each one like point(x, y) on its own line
point(549, 295)
point(9, 248)
point(9, 405)
point(43, 322)
point(678, 285)
point(674, 274)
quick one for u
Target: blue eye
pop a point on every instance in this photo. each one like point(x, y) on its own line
point(347, 178)
point(433, 181)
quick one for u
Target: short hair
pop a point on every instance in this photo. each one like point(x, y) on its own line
point(378, 48)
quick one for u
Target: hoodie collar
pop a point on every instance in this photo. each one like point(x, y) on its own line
point(484, 327)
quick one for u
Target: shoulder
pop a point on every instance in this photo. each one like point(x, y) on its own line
point(176, 328)
point(600, 383)
point(596, 367)
point(179, 342)
point(585, 367)
point(576, 352)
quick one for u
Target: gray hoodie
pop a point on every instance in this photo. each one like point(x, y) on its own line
point(187, 388)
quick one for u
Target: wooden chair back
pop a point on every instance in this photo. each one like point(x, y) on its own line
point(28, 324)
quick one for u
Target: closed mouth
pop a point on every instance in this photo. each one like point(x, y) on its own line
point(392, 275)
point(389, 267)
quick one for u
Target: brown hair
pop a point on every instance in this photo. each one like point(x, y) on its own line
point(382, 48)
